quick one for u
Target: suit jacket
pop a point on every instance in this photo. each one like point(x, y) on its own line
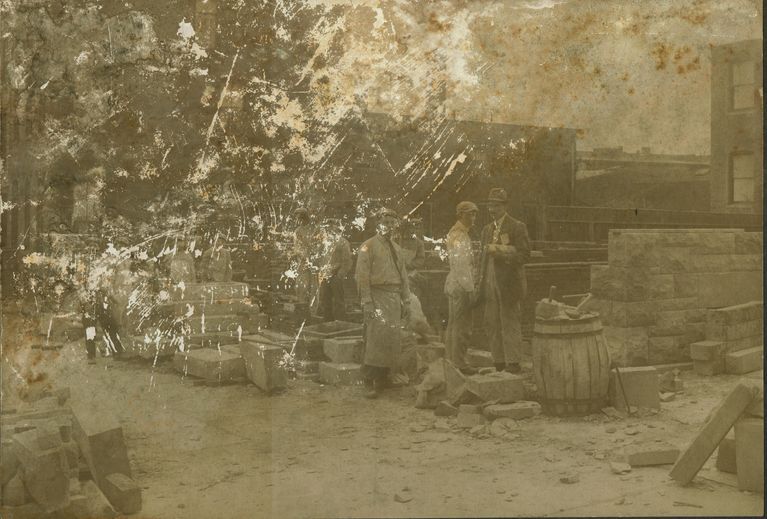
point(509, 266)
point(376, 266)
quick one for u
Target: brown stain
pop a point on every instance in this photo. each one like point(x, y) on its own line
point(631, 91)
point(433, 24)
point(661, 53)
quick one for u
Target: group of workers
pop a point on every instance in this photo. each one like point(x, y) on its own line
point(494, 282)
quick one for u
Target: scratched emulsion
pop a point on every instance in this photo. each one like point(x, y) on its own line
point(188, 130)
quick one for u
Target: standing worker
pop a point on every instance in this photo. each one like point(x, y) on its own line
point(505, 250)
point(385, 296)
point(336, 264)
point(304, 242)
point(459, 286)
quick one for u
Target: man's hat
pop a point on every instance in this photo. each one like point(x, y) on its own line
point(498, 194)
point(466, 207)
point(300, 210)
point(387, 212)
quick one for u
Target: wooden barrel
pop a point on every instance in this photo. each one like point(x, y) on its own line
point(571, 365)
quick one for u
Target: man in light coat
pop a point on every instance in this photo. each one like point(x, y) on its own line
point(459, 286)
point(502, 285)
point(385, 295)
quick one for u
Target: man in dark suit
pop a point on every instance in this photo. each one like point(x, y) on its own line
point(505, 250)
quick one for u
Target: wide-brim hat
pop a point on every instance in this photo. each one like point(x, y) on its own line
point(498, 194)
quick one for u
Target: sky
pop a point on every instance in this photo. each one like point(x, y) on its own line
point(629, 73)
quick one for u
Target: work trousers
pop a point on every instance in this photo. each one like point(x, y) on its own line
point(332, 304)
point(458, 327)
point(504, 330)
point(98, 312)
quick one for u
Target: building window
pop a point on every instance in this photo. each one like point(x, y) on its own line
point(743, 85)
point(742, 177)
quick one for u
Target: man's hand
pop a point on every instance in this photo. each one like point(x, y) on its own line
point(369, 309)
point(473, 295)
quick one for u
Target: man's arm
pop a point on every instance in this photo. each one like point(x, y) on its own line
point(362, 274)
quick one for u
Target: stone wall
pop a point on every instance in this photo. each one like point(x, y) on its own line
point(658, 285)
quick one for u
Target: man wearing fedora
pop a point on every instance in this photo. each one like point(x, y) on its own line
point(385, 296)
point(502, 285)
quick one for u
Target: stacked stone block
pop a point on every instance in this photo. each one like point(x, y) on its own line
point(654, 293)
point(734, 340)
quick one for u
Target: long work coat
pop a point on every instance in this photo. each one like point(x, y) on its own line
point(382, 280)
point(509, 266)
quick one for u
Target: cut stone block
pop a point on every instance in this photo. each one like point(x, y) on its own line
point(9, 462)
point(469, 420)
point(707, 350)
point(469, 408)
point(122, 492)
point(209, 292)
point(444, 408)
point(749, 454)
point(13, 492)
point(479, 358)
point(708, 367)
point(218, 324)
point(345, 374)
point(90, 504)
point(751, 311)
point(646, 455)
point(713, 432)
point(150, 348)
point(265, 365)
point(343, 349)
point(45, 469)
point(639, 385)
point(744, 361)
point(503, 387)
point(272, 337)
point(210, 364)
point(100, 439)
point(725, 457)
point(517, 410)
point(332, 330)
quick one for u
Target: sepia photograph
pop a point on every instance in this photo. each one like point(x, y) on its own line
point(381, 258)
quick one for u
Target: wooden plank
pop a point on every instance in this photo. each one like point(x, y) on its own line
point(581, 368)
point(714, 430)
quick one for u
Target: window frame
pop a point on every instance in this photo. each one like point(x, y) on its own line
point(731, 177)
point(733, 86)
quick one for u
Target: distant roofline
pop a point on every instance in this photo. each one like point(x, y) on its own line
point(492, 123)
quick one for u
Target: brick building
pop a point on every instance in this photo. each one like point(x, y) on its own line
point(737, 175)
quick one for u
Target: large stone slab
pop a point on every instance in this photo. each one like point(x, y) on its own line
point(713, 432)
point(744, 361)
point(749, 454)
point(44, 467)
point(122, 492)
point(210, 364)
point(504, 387)
point(100, 438)
point(344, 374)
point(264, 365)
point(639, 386)
point(344, 349)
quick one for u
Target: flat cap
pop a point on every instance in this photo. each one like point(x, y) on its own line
point(498, 194)
point(466, 207)
point(384, 211)
point(300, 210)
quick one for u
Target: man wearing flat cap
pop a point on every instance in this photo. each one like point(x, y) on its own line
point(459, 286)
point(505, 250)
point(385, 295)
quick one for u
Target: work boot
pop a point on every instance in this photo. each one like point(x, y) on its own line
point(468, 370)
point(500, 366)
point(372, 389)
point(514, 367)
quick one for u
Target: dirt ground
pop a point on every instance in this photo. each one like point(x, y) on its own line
point(318, 451)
